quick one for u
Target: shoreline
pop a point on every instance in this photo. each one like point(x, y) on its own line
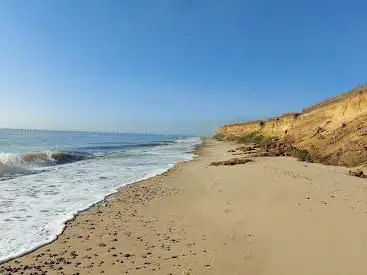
point(273, 216)
point(102, 203)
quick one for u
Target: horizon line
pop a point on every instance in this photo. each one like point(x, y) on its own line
point(92, 131)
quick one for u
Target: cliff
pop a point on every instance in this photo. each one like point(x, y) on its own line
point(334, 131)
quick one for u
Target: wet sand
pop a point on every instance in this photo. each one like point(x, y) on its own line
point(272, 216)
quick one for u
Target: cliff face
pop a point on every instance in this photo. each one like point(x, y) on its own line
point(275, 127)
point(334, 130)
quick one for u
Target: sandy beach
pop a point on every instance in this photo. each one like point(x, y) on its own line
point(273, 216)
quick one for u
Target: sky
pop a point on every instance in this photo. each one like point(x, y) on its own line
point(173, 66)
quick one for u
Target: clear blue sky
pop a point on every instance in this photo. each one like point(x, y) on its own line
point(173, 66)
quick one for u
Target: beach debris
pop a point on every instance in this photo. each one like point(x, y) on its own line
point(249, 148)
point(357, 173)
point(273, 149)
point(234, 161)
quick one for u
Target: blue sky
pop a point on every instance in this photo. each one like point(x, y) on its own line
point(173, 66)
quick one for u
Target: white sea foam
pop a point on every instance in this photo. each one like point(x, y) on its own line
point(11, 164)
point(35, 207)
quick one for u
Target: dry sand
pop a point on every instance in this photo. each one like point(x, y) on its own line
point(274, 216)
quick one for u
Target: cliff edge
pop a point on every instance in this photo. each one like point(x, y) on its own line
point(333, 132)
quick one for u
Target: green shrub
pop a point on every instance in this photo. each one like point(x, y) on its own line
point(303, 155)
point(266, 140)
point(253, 137)
point(218, 136)
point(246, 138)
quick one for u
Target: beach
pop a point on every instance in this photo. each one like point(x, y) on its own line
point(272, 216)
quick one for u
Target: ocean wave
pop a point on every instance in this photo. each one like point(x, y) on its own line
point(114, 146)
point(13, 165)
point(16, 164)
point(53, 158)
point(192, 140)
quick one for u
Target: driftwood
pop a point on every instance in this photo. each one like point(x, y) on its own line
point(357, 173)
point(234, 161)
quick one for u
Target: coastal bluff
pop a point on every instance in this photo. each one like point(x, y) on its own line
point(334, 131)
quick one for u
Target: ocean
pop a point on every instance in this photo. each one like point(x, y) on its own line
point(47, 177)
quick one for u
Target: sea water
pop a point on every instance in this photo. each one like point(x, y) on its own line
point(47, 177)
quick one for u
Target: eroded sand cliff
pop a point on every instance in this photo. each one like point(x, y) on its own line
point(334, 131)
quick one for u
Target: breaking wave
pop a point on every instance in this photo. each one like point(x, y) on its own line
point(15, 164)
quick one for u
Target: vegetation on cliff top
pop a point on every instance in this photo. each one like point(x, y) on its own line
point(360, 89)
point(355, 92)
point(254, 137)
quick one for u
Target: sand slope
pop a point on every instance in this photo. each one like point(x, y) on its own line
point(274, 216)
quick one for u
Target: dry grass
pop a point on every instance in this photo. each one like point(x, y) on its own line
point(355, 92)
